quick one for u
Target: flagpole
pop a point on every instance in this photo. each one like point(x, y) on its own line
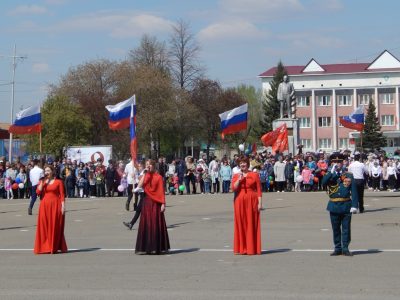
point(40, 142)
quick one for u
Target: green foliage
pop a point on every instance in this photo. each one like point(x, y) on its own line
point(63, 123)
point(372, 135)
point(253, 97)
point(270, 104)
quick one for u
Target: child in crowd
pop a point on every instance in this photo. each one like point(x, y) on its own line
point(8, 188)
point(207, 182)
point(124, 183)
point(81, 183)
point(297, 185)
point(263, 178)
point(171, 185)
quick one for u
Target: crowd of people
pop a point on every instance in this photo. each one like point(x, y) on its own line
point(278, 173)
point(343, 176)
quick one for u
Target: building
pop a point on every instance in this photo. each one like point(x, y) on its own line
point(326, 92)
point(19, 146)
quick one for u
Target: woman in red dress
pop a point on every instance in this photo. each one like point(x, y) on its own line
point(247, 206)
point(50, 226)
point(152, 237)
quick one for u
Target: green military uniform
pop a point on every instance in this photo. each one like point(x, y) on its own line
point(339, 205)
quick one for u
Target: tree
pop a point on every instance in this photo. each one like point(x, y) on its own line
point(270, 105)
point(212, 100)
point(92, 85)
point(151, 52)
point(372, 137)
point(253, 97)
point(63, 123)
point(184, 52)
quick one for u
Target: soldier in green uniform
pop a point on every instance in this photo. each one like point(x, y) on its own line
point(341, 204)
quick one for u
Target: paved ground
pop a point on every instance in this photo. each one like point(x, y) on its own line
point(296, 264)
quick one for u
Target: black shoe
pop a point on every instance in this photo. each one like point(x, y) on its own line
point(127, 205)
point(129, 225)
point(347, 253)
point(336, 253)
point(134, 207)
point(30, 211)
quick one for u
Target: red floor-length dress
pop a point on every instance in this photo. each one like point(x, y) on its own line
point(50, 226)
point(247, 228)
point(152, 237)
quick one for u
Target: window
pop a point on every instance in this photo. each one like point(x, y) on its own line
point(305, 122)
point(345, 100)
point(364, 99)
point(387, 120)
point(324, 100)
point(303, 101)
point(325, 143)
point(386, 98)
point(306, 143)
point(343, 143)
point(324, 121)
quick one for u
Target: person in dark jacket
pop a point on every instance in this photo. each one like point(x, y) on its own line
point(341, 205)
point(289, 174)
point(111, 174)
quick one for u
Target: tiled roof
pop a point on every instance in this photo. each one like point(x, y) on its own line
point(329, 69)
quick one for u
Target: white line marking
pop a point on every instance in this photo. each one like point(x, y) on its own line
point(324, 229)
point(208, 250)
point(366, 205)
point(24, 230)
point(279, 199)
point(78, 221)
point(206, 218)
point(376, 199)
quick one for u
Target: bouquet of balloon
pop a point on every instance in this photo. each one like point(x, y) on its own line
point(18, 184)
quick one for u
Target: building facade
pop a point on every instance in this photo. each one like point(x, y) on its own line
point(326, 92)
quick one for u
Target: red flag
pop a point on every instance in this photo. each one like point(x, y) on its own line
point(277, 139)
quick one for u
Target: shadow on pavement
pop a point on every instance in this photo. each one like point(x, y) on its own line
point(283, 250)
point(16, 227)
point(69, 210)
point(177, 224)
point(10, 211)
point(379, 209)
point(178, 251)
point(84, 250)
point(369, 251)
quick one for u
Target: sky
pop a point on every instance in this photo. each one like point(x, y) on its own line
point(239, 39)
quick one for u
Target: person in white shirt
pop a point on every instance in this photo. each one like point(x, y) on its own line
point(375, 174)
point(391, 170)
point(35, 174)
point(131, 176)
point(358, 170)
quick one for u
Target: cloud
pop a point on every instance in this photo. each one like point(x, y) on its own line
point(230, 30)
point(117, 25)
point(261, 9)
point(40, 68)
point(310, 40)
point(29, 10)
point(56, 2)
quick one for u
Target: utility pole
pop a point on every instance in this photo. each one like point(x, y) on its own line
point(14, 57)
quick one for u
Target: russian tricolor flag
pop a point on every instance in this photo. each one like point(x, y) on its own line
point(234, 120)
point(27, 121)
point(120, 114)
point(355, 120)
